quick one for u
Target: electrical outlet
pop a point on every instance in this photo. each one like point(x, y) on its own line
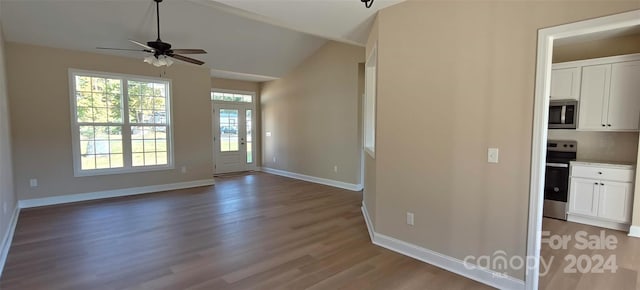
point(274, 159)
point(33, 182)
point(335, 168)
point(183, 169)
point(4, 208)
point(410, 218)
point(268, 134)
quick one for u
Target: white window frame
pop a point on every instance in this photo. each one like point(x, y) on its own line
point(126, 125)
point(370, 103)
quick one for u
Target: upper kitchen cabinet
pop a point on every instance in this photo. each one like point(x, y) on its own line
point(608, 94)
point(565, 83)
point(594, 98)
point(624, 96)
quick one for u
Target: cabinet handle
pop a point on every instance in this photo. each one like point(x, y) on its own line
point(599, 172)
point(603, 125)
point(596, 183)
point(609, 125)
point(601, 183)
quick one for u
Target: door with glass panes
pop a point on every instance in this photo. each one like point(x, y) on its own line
point(233, 138)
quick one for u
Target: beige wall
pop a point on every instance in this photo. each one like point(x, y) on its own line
point(369, 191)
point(237, 85)
point(601, 146)
point(455, 78)
point(311, 114)
point(40, 117)
point(247, 86)
point(599, 48)
point(7, 192)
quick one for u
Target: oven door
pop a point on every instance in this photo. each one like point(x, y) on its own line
point(556, 182)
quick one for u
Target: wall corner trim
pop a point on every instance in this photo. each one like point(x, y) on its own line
point(482, 275)
point(367, 220)
point(36, 202)
point(5, 243)
point(329, 182)
point(634, 231)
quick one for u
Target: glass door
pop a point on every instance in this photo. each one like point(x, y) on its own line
point(233, 138)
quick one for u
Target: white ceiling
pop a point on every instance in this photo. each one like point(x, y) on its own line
point(238, 47)
point(342, 20)
point(256, 40)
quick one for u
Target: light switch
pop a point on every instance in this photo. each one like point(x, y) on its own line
point(268, 134)
point(492, 155)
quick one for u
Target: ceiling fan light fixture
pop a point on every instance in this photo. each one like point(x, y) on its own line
point(158, 61)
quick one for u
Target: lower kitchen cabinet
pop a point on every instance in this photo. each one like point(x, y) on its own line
point(601, 194)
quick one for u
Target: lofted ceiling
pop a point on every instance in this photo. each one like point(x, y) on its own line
point(341, 20)
point(255, 40)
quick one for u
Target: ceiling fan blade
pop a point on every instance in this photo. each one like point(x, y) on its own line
point(141, 44)
point(125, 49)
point(189, 51)
point(186, 59)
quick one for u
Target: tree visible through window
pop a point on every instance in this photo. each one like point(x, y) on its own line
point(108, 140)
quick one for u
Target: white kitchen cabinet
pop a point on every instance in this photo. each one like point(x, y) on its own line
point(565, 83)
point(601, 194)
point(614, 202)
point(608, 91)
point(594, 97)
point(584, 196)
point(624, 96)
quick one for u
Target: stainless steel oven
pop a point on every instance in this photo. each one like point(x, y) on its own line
point(563, 114)
point(556, 181)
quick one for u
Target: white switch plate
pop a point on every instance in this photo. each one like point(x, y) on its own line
point(492, 155)
point(33, 182)
point(335, 168)
point(268, 134)
point(410, 218)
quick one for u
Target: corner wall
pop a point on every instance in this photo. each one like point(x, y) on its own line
point(41, 128)
point(456, 78)
point(8, 201)
point(311, 116)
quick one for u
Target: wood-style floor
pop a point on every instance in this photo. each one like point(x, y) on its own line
point(249, 231)
point(626, 252)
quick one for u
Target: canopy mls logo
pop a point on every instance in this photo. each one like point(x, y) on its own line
point(367, 3)
point(596, 263)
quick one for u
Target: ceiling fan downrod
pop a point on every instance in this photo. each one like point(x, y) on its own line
point(158, 17)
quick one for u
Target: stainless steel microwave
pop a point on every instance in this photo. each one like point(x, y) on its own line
point(563, 114)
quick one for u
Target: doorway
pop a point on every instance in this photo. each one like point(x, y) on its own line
point(546, 39)
point(234, 120)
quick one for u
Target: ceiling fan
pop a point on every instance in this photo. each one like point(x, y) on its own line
point(162, 51)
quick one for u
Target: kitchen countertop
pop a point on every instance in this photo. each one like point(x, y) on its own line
point(612, 164)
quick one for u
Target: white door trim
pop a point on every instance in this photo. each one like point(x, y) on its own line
point(254, 123)
point(546, 37)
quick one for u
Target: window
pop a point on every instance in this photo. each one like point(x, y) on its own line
point(120, 123)
point(370, 104)
point(231, 97)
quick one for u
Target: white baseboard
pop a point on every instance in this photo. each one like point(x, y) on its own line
point(27, 203)
point(598, 223)
point(329, 182)
point(634, 231)
point(482, 275)
point(367, 221)
point(5, 243)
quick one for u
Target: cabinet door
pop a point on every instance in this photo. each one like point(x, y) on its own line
point(624, 99)
point(583, 196)
point(594, 97)
point(615, 201)
point(565, 83)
